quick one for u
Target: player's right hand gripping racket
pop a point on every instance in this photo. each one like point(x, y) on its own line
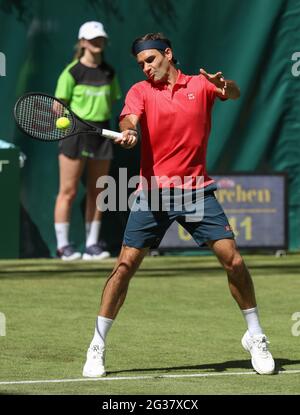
point(36, 115)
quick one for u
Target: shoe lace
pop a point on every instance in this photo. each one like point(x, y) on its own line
point(94, 249)
point(98, 352)
point(261, 344)
point(68, 250)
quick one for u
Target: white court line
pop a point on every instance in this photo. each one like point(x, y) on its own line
point(154, 376)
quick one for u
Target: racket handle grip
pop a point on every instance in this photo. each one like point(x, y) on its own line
point(110, 134)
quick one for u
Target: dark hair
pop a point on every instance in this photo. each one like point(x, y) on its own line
point(152, 36)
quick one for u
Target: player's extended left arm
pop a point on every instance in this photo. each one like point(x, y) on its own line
point(225, 87)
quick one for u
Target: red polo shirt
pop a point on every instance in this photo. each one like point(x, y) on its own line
point(175, 126)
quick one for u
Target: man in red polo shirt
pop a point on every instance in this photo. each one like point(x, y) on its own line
point(174, 113)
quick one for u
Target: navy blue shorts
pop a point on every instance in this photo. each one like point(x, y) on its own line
point(146, 227)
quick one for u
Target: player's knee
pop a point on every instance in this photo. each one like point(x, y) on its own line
point(121, 276)
point(128, 262)
point(125, 270)
point(235, 264)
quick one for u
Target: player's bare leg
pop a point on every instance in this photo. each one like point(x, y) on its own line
point(116, 287)
point(242, 289)
point(239, 279)
point(113, 296)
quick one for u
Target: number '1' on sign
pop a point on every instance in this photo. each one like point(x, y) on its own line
point(2, 64)
point(2, 324)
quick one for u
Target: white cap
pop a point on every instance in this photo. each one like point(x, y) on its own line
point(91, 30)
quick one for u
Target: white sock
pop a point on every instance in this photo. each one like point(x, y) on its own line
point(62, 234)
point(92, 232)
point(103, 325)
point(252, 320)
point(87, 229)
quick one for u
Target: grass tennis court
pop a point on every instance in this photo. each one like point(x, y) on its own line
point(179, 319)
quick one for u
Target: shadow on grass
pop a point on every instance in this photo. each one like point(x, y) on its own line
point(213, 367)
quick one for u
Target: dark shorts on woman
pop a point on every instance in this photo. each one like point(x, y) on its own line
point(88, 145)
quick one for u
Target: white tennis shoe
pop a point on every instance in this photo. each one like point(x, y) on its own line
point(261, 359)
point(68, 253)
point(95, 361)
point(95, 252)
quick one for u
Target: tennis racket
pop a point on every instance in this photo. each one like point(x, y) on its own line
point(36, 115)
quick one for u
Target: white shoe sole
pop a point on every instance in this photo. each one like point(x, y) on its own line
point(87, 257)
point(71, 258)
point(89, 375)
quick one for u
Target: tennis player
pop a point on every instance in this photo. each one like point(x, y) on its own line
point(174, 113)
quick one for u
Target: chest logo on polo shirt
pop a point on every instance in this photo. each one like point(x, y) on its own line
point(191, 96)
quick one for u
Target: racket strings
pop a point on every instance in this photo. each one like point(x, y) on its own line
point(37, 116)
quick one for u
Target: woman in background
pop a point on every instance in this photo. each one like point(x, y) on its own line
point(89, 86)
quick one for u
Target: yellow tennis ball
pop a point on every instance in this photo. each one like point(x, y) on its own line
point(62, 123)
